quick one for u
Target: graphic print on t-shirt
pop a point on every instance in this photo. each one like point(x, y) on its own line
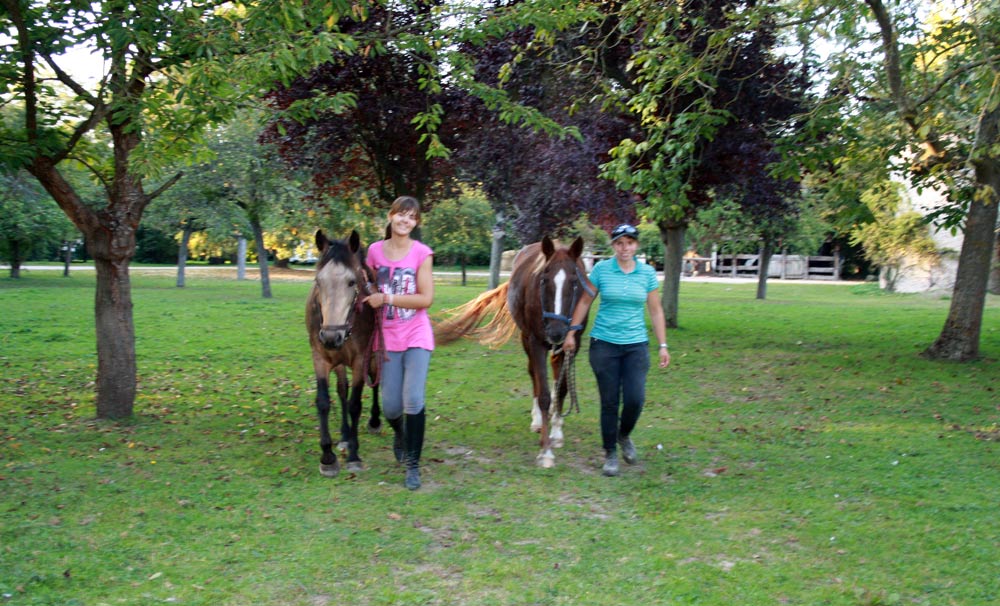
point(401, 281)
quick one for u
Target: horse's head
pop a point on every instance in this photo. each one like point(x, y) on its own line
point(340, 286)
point(561, 281)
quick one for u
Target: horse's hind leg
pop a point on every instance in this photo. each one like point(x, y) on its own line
point(352, 411)
point(375, 421)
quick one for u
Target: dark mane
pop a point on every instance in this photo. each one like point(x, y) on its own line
point(339, 253)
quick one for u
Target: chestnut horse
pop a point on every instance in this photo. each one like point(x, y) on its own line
point(545, 284)
point(342, 334)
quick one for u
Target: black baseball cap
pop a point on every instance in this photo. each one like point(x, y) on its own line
point(625, 230)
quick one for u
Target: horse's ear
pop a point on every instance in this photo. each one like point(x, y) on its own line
point(577, 248)
point(321, 240)
point(354, 241)
point(548, 247)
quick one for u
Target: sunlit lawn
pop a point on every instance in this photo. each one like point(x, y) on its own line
point(797, 451)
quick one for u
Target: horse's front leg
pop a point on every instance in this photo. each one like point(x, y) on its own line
point(546, 458)
point(328, 465)
point(352, 412)
point(536, 410)
point(557, 397)
point(342, 393)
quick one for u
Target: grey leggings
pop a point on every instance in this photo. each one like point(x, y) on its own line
point(404, 379)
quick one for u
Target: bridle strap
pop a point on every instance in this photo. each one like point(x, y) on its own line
point(549, 315)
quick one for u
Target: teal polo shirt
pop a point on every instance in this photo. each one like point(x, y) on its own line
point(621, 318)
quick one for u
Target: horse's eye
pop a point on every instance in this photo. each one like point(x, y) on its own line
point(352, 283)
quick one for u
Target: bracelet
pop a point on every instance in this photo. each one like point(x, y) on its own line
point(391, 298)
point(663, 346)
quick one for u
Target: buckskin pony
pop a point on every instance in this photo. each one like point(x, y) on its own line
point(343, 334)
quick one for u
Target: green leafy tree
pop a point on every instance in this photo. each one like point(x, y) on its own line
point(711, 94)
point(894, 236)
point(29, 222)
point(925, 93)
point(460, 228)
point(170, 69)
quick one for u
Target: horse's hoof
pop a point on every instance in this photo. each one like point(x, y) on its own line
point(342, 446)
point(355, 466)
point(546, 460)
point(557, 442)
point(536, 428)
point(329, 471)
point(375, 430)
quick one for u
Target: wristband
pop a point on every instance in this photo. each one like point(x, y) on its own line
point(663, 346)
point(391, 298)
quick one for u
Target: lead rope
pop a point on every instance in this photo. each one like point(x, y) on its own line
point(568, 373)
point(376, 343)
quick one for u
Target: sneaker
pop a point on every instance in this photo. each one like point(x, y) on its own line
point(412, 481)
point(610, 468)
point(628, 450)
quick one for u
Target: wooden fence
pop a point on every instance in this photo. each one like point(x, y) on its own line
point(789, 267)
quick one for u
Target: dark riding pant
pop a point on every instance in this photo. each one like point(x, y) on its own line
point(621, 377)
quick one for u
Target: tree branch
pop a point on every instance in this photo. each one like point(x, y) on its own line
point(934, 152)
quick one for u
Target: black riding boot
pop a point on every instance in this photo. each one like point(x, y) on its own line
point(413, 434)
point(398, 447)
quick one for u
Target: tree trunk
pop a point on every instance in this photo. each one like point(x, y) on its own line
point(463, 271)
point(496, 252)
point(241, 257)
point(994, 283)
point(110, 237)
point(182, 253)
point(959, 339)
point(265, 276)
point(15, 259)
point(673, 262)
point(763, 267)
point(115, 331)
point(67, 257)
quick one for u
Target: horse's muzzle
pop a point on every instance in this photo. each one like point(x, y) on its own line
point(334, 337)
point(555, 333)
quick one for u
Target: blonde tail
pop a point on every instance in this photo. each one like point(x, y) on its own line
point(464, 320)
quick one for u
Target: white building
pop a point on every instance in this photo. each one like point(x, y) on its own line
point(920, 275)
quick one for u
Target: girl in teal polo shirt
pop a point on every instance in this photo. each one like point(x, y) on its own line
point(619, 343)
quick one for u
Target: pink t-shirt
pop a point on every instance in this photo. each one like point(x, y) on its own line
point(402, 328)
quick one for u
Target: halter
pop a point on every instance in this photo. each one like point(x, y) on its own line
point(567, 371)
point(348, 325)
point(375, 342)
point(549, 315)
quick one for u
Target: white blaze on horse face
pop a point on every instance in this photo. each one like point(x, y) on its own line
point(560, 282)
point(336, 293)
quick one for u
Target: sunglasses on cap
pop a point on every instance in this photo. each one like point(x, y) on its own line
point(625, 230)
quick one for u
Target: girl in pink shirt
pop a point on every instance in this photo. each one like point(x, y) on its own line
point(404, 278)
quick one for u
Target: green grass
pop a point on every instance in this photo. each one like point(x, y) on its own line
point(797, 451)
